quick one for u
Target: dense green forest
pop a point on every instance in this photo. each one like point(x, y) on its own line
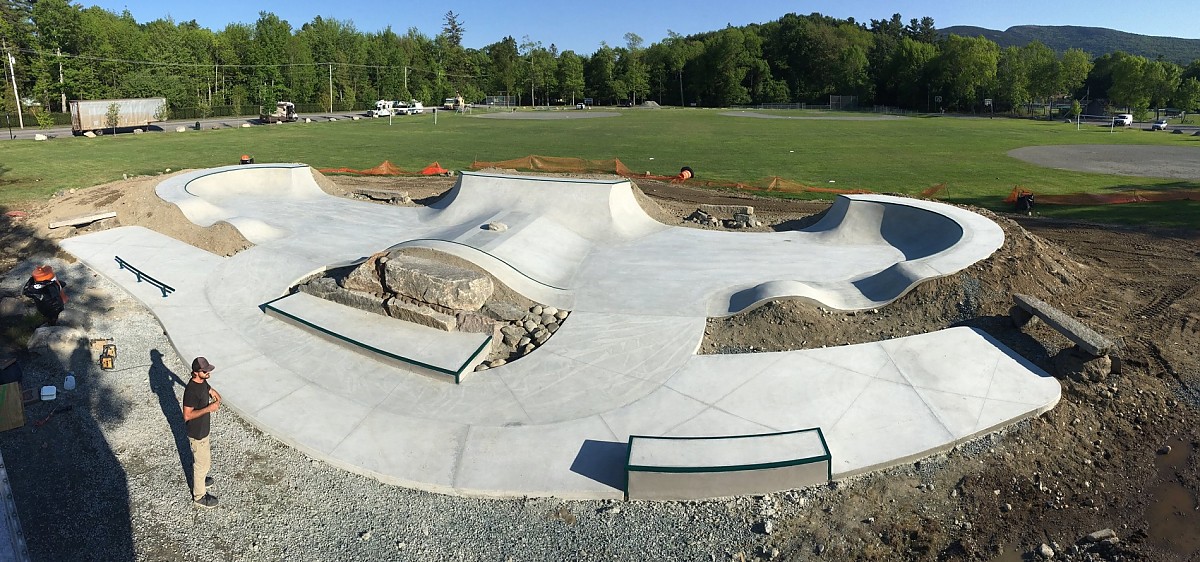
point(62, 51)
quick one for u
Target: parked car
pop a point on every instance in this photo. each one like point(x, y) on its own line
point(1123, 120)
point(1159, 125)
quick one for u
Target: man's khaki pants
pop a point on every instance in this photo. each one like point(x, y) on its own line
point(201, 462)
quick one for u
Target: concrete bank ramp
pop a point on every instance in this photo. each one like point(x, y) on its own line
point(598, 210)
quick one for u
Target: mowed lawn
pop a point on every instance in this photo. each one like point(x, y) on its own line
point(897, 155)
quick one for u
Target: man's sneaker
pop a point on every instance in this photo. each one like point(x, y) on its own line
point(209, 501)
point(208, 481)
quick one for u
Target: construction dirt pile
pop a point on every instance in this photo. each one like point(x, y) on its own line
point(1109, 474)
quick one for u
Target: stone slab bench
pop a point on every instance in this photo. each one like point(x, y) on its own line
point(1086, 338)
point(429, 351)
point(687, 468)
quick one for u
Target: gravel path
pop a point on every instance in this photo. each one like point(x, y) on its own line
point(103, 479)
point(1180, 162)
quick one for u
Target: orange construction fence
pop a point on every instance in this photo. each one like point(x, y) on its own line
point(561, 165)
point(389, 169)
point(1118, 198)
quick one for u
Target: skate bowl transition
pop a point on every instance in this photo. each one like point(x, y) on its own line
point(618, 403)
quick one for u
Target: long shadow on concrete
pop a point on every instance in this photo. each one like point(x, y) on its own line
point(163, 382)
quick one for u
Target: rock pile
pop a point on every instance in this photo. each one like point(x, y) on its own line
point(439, 295)
point(729, 216)
point(523, 331)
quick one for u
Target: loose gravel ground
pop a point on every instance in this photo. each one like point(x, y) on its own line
point(100, 474)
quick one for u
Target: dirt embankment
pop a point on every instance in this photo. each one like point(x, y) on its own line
point(1098, 460)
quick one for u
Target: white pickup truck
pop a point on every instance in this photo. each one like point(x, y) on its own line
point(1123, 120)
point(386, 108)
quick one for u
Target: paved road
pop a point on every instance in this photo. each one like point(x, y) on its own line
point(15, 132)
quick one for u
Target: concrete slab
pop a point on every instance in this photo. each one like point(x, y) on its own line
point(555, 423)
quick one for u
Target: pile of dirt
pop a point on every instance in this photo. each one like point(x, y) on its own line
point(1099, 460)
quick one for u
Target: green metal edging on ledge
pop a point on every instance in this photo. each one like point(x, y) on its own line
point(731, 468)
point(457, 374)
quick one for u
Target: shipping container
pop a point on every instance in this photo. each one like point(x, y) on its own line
point(92, 115)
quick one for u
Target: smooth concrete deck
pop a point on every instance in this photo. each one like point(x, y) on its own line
point(556, 422)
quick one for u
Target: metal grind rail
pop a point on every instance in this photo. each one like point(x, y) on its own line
point(142, 276)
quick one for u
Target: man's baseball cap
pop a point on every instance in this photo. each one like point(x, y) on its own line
point(201, 365)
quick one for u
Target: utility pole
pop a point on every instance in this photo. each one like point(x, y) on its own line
point(331, 87)
point(406, 80)
point(12, 73)
point(62, 92)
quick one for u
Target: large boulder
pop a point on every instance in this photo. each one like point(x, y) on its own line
point(1079, 365)
point(436, 283)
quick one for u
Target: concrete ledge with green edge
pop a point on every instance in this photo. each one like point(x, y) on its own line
point(426, 350)
point(557, 422)
point(689, 468)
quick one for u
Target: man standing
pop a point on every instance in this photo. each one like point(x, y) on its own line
point(200, 400)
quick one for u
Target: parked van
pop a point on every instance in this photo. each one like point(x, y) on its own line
point(1123, 120)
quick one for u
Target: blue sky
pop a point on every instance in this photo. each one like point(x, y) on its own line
point(582, 25)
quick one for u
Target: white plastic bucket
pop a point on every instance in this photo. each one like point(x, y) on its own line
point(49, 392)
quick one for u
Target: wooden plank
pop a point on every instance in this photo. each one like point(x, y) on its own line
point(84, 219)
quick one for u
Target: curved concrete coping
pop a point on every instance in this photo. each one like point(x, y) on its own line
point(683, 468)
point(935, 240)
point(506, 273)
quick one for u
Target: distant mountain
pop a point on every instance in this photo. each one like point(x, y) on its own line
point(1096, 41)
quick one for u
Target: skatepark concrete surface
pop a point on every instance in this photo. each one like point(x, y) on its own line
point(625, 362)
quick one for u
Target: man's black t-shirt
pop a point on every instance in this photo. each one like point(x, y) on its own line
point(195, 396)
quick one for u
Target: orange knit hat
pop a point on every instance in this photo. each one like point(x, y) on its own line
point(43, 273)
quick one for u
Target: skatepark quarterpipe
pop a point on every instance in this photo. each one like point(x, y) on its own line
point(557, 422)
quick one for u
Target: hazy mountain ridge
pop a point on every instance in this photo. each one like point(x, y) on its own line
point(1096, 41)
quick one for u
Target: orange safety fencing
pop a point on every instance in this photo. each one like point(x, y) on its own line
point(389, 169)
point(1123, 197)
point(561, 165)
point(553, 164)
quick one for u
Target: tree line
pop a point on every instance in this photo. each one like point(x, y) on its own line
point(61, 51)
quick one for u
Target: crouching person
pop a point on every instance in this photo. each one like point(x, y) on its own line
point(47, 292)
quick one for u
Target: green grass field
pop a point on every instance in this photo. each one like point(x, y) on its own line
point(885, 156)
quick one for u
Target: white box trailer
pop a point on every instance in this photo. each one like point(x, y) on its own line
point(92, 115)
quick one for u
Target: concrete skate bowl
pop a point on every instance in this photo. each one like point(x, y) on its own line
point(934, 239)
point(199, 195)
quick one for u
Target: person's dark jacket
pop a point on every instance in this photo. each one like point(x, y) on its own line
point(47, 295)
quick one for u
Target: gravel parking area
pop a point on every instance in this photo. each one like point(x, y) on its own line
point(1180, 162)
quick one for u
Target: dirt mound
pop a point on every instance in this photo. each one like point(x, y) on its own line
point(979, 296)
